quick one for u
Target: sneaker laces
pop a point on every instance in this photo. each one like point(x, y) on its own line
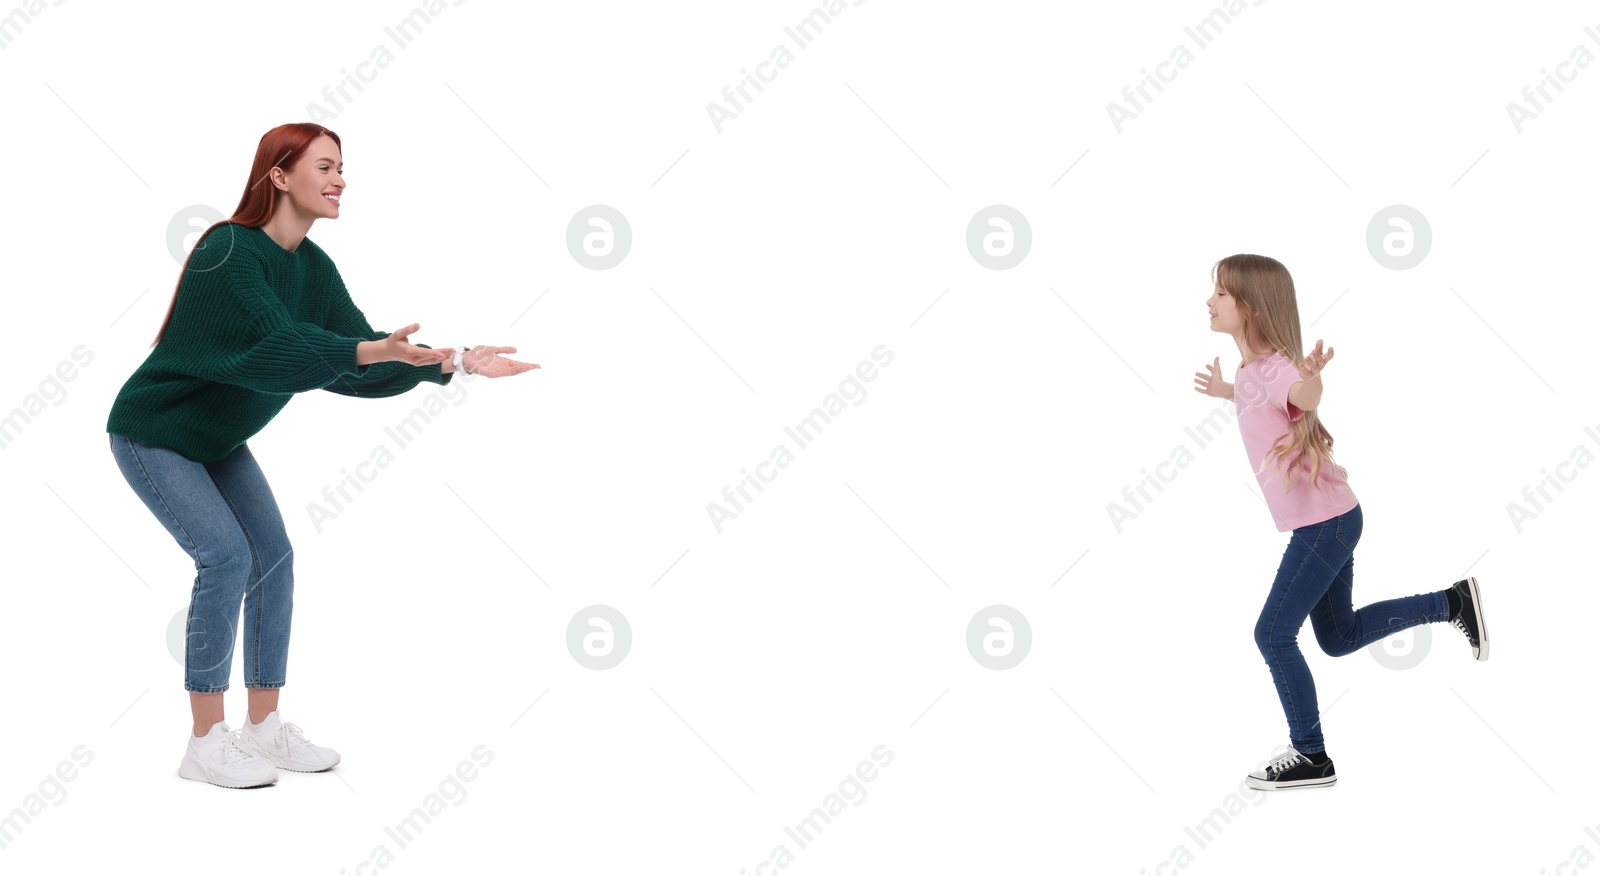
point(289, 735)
point(1461, 625)
point(1285, 762)
point(234, 748)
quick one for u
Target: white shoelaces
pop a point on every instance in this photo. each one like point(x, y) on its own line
point(233, 745)
point(1283, 763)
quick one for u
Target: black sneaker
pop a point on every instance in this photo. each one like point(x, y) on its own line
point(1292, 770)
point(1469, 618)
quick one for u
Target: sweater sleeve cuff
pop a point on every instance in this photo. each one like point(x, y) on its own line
point(435, 374)
point(432, 373)
point(335, 353)
point(338, 351)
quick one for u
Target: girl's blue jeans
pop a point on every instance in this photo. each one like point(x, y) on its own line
point(224, 516)
point(1314, 580)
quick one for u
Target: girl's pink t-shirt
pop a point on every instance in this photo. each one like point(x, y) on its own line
point(1261, 402)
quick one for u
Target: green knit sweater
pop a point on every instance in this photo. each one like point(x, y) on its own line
point(254, 324)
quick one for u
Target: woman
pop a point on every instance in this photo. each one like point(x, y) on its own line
point(259, 313)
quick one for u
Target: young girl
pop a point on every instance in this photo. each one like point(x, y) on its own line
point(1276, 392)
point(259, 313)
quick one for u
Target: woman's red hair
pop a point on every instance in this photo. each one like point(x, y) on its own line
point(280, 147)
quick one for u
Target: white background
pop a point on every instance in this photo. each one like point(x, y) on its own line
point(829, 617)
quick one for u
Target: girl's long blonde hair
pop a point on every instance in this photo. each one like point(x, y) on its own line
point(1264, 294)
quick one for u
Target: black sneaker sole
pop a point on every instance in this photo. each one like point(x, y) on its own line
point(1264, 785)
point(1480, 652)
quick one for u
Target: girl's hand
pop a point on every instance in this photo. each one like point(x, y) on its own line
point(486, 360)
point(1315, 361)
point(397, 348)
point(1212, 384)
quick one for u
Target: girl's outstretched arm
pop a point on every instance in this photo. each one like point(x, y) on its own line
point(1307, 393)
point(1212, 383)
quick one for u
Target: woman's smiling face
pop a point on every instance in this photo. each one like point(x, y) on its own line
point(316, 182)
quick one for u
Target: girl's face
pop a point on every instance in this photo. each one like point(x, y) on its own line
point(1224, 312)
point(316, 181)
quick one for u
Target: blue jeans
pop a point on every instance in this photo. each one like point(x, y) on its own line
point(223, 515)
point(1314, 580)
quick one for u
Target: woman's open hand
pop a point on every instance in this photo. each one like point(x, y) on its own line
point(398, 348)
point(1212, 384)
point(487, 361)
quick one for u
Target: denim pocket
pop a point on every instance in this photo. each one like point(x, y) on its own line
point(1347, 528)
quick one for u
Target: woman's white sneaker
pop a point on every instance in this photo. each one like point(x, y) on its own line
point(286, 747)
point(221, 758)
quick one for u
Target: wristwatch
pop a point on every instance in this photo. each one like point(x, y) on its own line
point(455, 361)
